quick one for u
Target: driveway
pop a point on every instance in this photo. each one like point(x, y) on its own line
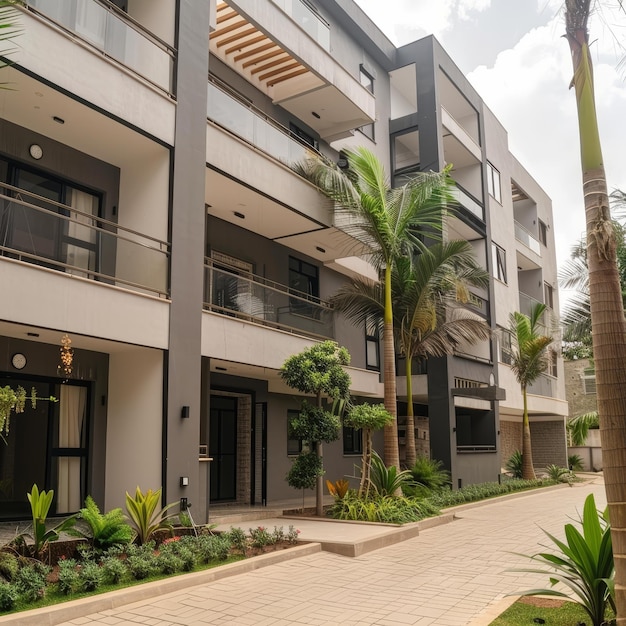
point(451, 575)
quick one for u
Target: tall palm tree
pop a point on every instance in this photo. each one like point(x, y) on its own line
point(607, 310)
point(391, 223)
point(529, 360)
point(428, 321)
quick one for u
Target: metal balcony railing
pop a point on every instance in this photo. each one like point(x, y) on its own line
point(41, 231)
point(251, 125)
point(115, 34)
point(265, 302)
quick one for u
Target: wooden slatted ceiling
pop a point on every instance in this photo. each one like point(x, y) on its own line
point(242, 45)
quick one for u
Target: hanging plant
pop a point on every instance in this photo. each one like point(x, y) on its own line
point(14, 400)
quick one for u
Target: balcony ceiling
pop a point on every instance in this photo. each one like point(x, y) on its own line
point(287, 80)
point(265, 216)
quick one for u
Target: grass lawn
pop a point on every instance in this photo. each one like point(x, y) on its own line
point(530, 611)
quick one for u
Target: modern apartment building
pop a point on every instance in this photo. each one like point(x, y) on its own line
point(149, 212)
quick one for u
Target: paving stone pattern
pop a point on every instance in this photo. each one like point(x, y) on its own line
point(448, 576)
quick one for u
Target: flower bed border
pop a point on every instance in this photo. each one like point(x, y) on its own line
point(72, 609)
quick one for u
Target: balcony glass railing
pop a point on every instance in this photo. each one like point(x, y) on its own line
point(521, 234)
point(265, 302)
point(465, 200)
point(114, 34)
point(312, 23)
point(252, 126)
point(41, 231)
point(526, 303)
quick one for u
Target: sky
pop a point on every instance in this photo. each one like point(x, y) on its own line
point(513, 53)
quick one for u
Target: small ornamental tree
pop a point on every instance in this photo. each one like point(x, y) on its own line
point(369, 417)
point(317, 371)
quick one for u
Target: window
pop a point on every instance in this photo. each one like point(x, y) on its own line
point(552, 360)
point(367, 80)
point(475, 431)
point(589, 380)
point(372, 344)
point(506, 347)
point(305, 284)
point(294, 445)
point(548, 295)
point(303, 136)
point(493, 182)
point(352, 440)
point(543, 233)
point(498, 258)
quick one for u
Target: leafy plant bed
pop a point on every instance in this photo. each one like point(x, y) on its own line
point(543, 611)
point(26, 583)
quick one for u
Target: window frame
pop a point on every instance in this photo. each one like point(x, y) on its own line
point(543, 233)
point(367, 80)
point(355, 435)
point(498, 258)
point(372, 338)
point(494, 182)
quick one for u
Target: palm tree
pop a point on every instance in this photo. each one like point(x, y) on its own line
point(605, 295)
point(391, 223)
point(578, 427)
point(428, 321)
point(529, 360)
point(9, 28)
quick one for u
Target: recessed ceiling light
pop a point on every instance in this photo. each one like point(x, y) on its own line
point(241, 216)
point(32, 334)
point(58, 120)
point(320, 249)
point(317, 115)
point(220, 369)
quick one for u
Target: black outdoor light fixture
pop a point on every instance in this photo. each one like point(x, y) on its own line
point(184, 412)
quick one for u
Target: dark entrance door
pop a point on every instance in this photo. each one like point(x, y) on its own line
point(223, 447)
point(46, 446)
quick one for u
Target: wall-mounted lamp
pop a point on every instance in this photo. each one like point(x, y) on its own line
point(184, 481)
point(184, 412)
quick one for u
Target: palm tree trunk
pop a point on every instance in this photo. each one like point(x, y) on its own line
point(409, 446)
point(607, 312)
point(390, 432)
point(319, 485)
point(528, 470)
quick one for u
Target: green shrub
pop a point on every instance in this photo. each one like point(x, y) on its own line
point(514, 464)
point(237, 539)
point(8, 565)
point(304, 470)
point(387, 480)
point(472, 493)
point(90, 576)
point(168, 562)
point(144, 514)
point(575, 463)
point(292, 534)
point(386, 509)
point(214, 547)
point(430, 473)
point(556, 473)
point(30, 581)
point(114, 570)
point(278, 535)
point(8, 596)
point(68, 576)
point(105, 530)
point(141, 560)
point(260, 537)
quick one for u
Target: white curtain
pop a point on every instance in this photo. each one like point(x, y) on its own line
point(80, 256)
point(72, 415)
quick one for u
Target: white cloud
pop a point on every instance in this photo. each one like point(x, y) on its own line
point(527, 89)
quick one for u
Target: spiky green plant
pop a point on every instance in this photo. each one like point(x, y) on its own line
point(145, 518)
point(387, 481)
point(583, 564)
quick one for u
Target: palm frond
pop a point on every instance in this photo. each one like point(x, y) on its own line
point(360, 300)
point(579, 426)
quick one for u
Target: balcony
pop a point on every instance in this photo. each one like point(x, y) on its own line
point(254, 127)
point(309, 21)
point(43, 232)
point(524, 236)
point(116, 35)
point(282, 49)
point(256, 299)
point(468, 202)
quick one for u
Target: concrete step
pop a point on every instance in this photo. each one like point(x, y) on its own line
point(241, 517)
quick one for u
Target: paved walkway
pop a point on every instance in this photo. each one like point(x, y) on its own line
point(450, 575)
